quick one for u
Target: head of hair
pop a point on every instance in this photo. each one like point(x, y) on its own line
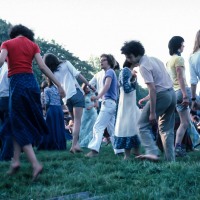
point(127, 64)
point(197, 42)
point(52, 61)
point(21, 30)
point(133, 47)
point(109, 58)
point(175, 44)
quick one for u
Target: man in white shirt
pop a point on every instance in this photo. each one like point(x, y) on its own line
point(161, 104)
point(5, 128)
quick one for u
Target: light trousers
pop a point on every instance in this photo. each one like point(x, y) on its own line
point(105, 119)
point(165, 107)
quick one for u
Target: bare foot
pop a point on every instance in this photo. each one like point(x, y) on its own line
point(13, 169)
point(92, 154)
point(36, 171)
point(75, 150)
point(150, 157)
point(127, 158)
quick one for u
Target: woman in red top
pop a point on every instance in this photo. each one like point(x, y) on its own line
point(24, 103)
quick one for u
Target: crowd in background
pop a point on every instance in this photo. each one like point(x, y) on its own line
point(104, 109)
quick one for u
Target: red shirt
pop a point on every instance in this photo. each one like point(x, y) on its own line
point(21, 52)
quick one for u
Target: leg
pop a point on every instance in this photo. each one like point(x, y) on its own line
point(102, 121)
point(145, 132)
point(37, 167)
point(77, 113)
point(166, 122)
point(15, 165)
point(184, 124)
point(127, 154)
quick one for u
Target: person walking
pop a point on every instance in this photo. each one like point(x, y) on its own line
point(161, 104)
point(25, 108)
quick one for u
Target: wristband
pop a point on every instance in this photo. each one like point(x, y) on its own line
point(193, 99)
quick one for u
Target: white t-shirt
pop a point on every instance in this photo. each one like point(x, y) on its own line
point(97, 81)
point(67, 75)
point(154, 71)
point(4, 81)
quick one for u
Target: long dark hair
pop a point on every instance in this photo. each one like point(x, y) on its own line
point(52, 61)
point(21, 30)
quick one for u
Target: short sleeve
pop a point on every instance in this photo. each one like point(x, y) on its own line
point(37, 49)
point(179, 62)
point(72, 69)
point(146, 74)
point(4, 45)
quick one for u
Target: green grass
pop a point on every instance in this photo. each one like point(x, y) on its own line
point(107, 174)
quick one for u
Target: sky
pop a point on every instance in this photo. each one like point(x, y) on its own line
point(91, 27)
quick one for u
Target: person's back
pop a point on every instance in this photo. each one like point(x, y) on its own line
point(21, 53)
point(152, 65)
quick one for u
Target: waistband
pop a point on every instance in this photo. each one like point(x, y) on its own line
point(109, 100)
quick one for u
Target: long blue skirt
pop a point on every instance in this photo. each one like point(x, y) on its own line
point(25, 110)
point(55, 140)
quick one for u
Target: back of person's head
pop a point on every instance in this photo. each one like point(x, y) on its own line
point(133, 47)
point(175, 44)
point(110, 59)
point(197, 42)
point(21, 30)
point(127, 64)
point(51, 61)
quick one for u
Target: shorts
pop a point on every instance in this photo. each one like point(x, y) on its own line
point(77, 100)
point(179, 98)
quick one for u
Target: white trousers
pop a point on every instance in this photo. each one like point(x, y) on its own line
point(105, 119)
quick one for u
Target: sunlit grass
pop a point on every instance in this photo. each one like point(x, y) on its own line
point(107, 174)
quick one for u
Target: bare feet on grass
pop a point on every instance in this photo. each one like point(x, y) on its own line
point(36, 171)
point(76, 149)
point(14, 168)
point(149, 157)
point(92, 154)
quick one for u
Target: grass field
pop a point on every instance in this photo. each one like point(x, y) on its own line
point(106, 174)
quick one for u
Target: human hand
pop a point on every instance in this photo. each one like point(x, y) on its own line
point(61, 92)
point(185, 101)
point(152, 119)
point(134, 73)
point(94, 98)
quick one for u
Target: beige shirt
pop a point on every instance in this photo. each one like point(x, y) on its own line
point(154, 71)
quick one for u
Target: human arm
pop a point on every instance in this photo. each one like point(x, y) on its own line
point(152, 98)
point(179, 71)
point(3, 56)
point(104, 90)
point(128, 80)
point(83, 79)
point(48, 73)
point(140, 102)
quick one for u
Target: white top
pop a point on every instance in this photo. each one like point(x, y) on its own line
point(67, 75)
point(4, 81)
point(154, 71)
point(194, 62)
point(97, 81)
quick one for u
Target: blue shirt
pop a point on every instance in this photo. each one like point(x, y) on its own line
point(52, 96)
point(194, 62)
point(112, 91)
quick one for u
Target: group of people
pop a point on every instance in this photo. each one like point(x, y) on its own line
point(115, 97)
